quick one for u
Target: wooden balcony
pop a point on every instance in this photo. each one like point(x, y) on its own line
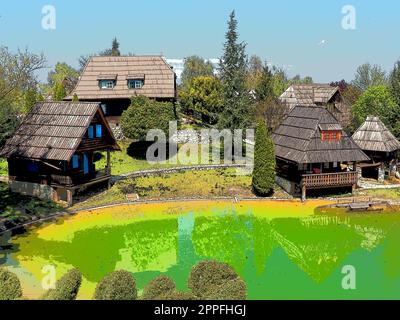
point(327, 180)
point(80, 178)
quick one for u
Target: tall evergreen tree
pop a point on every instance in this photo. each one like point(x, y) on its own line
point(394, 81)
point(264, 162)
point(115, 48)
point(264, 88)
point(236, 113)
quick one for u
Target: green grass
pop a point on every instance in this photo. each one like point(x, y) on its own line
point(132, 158)
point(3, 167)
point(17, 207)
point(202, 184)
point(390, 194)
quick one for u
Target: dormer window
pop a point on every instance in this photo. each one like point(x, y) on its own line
point(135, 83)
point(107, 84)
point(331, 135)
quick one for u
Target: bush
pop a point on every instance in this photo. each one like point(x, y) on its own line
point(207, 275)
point(118, 285)
point(162, 285)
point(144, 114)
point(264, 162)
point(177, 295)
point(67, 287)
point(230, 290)
point(10, 287)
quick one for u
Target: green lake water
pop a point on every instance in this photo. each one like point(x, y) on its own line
point(294, 257)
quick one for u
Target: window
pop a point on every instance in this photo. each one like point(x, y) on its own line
point(331, 135)
point(33, 167)
point(90, 132)
point(98, 130)
point(107, 84)
point(135, 83)
point(75, 161)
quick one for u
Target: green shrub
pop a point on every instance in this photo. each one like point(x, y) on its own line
point(144, 114)
point(230, 290)
point(162, 285)
point(264, 162)
point(118, 285)
point(67, 287)
point(207, 275)
point(177, 295)
point(10, 287)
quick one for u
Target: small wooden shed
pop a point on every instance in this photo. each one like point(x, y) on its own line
point(51, 155)
point(376, 140)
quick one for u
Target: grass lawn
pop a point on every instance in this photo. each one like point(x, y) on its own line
point(390, 194)
point(17, 207)
point(132, 157)
point(3, 167)
point(204, 184)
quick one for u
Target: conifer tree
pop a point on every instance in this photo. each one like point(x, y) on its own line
point(264, 162)
point(233, 65)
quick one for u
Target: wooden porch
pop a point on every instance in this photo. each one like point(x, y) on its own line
point(328, 180)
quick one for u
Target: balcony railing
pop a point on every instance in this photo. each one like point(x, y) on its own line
point(326, 180)
point(80, 178)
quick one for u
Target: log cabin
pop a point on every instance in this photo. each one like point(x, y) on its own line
point(51, 154)
point(113, 81)
point(323, 95)
point(313, 152)
point(376, 140)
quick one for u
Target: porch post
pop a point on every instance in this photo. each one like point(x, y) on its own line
point(108, 161)
point(303, 193)
point(69, 197)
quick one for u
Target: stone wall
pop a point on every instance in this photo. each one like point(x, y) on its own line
point(288, 186)
point(32, 189)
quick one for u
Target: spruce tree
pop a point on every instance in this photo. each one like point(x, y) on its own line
point(394, 82)
point(115, 48)
point(233, 65)
point(264, 162)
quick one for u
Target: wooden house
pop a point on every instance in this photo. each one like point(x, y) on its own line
point(375, 139)
point(113, 81)
point(51, 155)
point(314, 152)
point(323, 95)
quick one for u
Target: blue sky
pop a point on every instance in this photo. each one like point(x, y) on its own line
point(286, 33)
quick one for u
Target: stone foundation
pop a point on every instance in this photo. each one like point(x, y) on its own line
point(33, 189)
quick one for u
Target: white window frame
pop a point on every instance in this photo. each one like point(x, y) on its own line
point(107, 84)
point(135, 83)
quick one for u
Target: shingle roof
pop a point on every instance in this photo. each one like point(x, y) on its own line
point(159, 78)
point(307, 94)
point(298, 138)
point(53, 130)
point(373, 135)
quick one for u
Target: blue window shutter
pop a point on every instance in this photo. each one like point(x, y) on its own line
point(90, 132)
point(75, 161)
point(98, 130)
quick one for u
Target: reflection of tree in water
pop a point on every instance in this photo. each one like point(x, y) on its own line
point(317, 244)
point(96, 251)
point(225, 238)
point(148, 240)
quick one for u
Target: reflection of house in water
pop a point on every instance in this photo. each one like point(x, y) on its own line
point(375, 139)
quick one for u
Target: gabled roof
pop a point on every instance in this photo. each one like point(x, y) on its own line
point(308, 94)
point(53, 131)
point(373, 135)
point(298, 138)
point(159, 78)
